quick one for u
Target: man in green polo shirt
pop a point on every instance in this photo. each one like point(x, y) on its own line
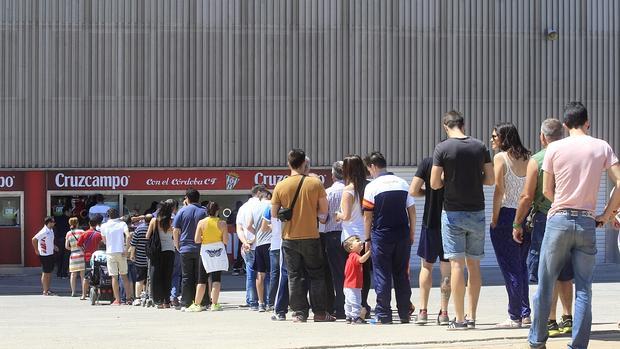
point(532, 196)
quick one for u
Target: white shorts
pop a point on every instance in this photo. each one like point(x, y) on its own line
point(117, 264)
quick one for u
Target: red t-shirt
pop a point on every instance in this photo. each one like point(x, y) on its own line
point(353, 272)
point(89, 242)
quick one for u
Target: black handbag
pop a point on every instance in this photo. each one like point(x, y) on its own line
point(153, 246)
point(285, 214)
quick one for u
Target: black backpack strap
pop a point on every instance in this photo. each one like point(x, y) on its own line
point(297, 192)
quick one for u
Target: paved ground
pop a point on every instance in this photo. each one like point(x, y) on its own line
point(29, 320)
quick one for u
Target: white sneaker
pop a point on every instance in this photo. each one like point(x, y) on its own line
point(137, 302)
point(509, 323)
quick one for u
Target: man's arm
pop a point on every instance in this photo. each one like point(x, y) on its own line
point(367, 228)
point(323, 210)
point(415, 189)
point(489, 176)
point(176, 233)
point(549, 185)
point(411, 212)
point(437, 177)
point(614, 202)
point(34, 245)
point(526, 199)
point(198, 234)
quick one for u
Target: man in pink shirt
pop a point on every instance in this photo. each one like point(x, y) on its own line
point(572, 172)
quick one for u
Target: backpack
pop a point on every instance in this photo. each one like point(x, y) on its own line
point(153, 246)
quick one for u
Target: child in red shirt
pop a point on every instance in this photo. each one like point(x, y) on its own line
point(354, 279)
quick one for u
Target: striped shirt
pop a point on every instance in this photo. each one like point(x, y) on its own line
point(334, 196)
point(138, 241)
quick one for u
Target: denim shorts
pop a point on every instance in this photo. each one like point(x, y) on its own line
point(462, 234)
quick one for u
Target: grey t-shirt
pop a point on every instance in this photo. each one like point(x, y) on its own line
point(463, 162)
point(257, 210)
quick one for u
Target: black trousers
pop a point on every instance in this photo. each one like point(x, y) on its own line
point(305, 258)
point(62, 259)
point(336, 258)
point(161, 277)
point(190, 264)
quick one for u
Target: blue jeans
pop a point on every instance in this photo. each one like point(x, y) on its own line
point(274, 276)
point(538, 232)
point(568, 237)
point(511, 258)
point(251, 297)
point(175, 290)
point(131, 275)
point(281, 304)
point(462, 234)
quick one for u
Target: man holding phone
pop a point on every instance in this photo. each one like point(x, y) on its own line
point(572, 172)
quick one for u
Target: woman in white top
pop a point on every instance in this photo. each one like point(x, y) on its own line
point(510, 166)
point(351, 215)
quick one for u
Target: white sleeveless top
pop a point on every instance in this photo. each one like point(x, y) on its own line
point(513, 184)
point(355, 225)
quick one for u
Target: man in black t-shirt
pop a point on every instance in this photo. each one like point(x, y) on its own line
point(462, 165)
point(430, 248)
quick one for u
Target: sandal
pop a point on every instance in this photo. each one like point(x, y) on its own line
point(83, 298)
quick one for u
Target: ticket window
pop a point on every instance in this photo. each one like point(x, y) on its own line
point(63, 207)
point(11, 230)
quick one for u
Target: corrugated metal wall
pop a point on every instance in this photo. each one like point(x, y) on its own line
point(123, 83)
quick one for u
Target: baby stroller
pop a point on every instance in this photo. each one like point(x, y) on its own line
point(100, 280)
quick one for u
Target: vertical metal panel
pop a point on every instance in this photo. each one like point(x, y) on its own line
point(116, 83)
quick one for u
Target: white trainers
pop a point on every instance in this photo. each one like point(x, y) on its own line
point(509, 323)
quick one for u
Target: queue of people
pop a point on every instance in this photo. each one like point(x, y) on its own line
point(308, 249)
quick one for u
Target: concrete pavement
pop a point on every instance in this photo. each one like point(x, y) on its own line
point(36, 321)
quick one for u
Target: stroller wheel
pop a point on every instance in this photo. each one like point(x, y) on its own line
point(93, 296)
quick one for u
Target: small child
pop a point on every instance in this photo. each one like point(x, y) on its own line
point(354, 279)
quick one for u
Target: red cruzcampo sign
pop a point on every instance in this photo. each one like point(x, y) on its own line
point(11, 181)
point(169, 179)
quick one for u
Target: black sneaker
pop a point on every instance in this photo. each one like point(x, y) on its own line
point(458, 326)
point(553, 328)
point(566, 325)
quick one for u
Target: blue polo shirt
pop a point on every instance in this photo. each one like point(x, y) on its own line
point(187, 220)
point(387, 196)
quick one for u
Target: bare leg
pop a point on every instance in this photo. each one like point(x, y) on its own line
point(554, 303)
point(115, 290)
point(200, 293)
point(215, 292)
point(445, 285)
point(73, 283)
point(84, 284)
point(46, 279)
point(458, 287)
point(426, 282)
point(260, 281)
point(128, 288)
point(139, 288)
point(474, 283)
point(565, 290)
